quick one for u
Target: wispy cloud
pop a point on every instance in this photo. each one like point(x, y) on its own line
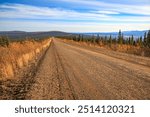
point(139, 9)
point(84, 16)
point(33, 12)
point(26, 11)
point(106, 12)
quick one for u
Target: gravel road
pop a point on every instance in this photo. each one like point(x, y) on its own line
point(70, 71)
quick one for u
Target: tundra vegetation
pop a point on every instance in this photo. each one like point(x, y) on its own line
point(133, 45)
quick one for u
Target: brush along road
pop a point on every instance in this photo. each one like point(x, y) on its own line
point(71, 71)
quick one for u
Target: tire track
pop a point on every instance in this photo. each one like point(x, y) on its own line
point(66, 78)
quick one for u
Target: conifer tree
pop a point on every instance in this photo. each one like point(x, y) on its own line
point(145, 39)
point(110, 40)
point(120, 37)
point(127, 41)
point(97, 39)
point(132, 40)
point(141, 41)
point(148, 39)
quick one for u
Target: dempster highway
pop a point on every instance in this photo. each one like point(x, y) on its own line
point(70, 71)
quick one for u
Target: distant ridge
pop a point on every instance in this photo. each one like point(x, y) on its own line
point(23, 34)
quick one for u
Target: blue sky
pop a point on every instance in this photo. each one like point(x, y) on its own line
point(74, 15)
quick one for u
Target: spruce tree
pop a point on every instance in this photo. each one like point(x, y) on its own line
point(141, 41)
point(110, 40)
point(132, 40)
point(120, 37)
point(145, 39)
point(97, 39)
point(148, 39)
point(129, 41)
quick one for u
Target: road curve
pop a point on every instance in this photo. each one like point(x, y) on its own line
point(69, 71)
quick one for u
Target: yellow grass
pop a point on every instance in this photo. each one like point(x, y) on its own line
point(18, 55)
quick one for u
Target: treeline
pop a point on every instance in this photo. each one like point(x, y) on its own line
point(109, 40)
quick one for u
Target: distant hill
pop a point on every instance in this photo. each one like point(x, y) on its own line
point(22, 35)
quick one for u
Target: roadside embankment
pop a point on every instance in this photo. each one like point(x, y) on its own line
point(18, 55)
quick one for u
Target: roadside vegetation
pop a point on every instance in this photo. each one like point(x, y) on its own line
point(4, 41)
point(139, 46)
point(15, 55)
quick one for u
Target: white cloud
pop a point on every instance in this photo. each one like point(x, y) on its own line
point(26, 11)
point(105, 12)
point(106, 17)
point(116, 7)
point(33, 12)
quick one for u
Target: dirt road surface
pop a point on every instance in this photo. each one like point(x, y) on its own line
point(70, 71)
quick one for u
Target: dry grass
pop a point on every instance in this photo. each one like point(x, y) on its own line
point(136, 50)
point(17, 55)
